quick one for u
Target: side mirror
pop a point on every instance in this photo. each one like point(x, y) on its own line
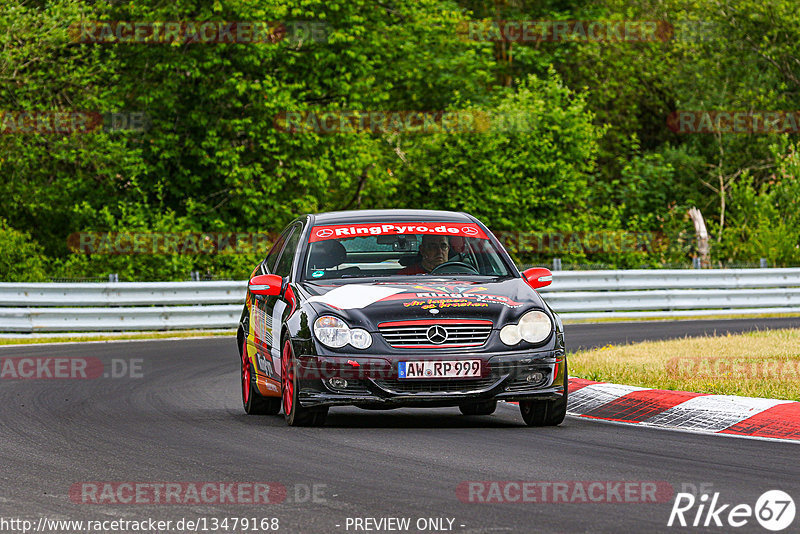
point(538, 277)
point(266, 284)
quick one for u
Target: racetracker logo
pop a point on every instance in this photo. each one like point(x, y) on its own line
point(184, 243)
point(412, 122)
point(381, 122)
point(730, 121)
point(181, 493)
point(533, 31)
point(599, 242)
point(56, 367)
point(69, 122)
point(206, 32)
point(733, 368)
point(564, 491)
point(774, 510)
point(320, 233)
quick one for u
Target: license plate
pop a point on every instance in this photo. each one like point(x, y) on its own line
point(439, 369)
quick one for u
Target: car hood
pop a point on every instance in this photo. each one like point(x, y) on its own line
point(366, 304)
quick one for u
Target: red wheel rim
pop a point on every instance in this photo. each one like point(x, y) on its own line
point(287, 378)
point(245, 374)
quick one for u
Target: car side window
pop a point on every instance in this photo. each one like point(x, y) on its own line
point(272, 256)
point(284, 265)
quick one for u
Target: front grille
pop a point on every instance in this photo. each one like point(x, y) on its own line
point(408, 334)
point(459, 385)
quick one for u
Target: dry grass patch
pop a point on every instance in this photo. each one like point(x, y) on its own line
point(755, 364)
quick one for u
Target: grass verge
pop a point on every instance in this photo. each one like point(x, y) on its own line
point(755, 364)
point(67, 338)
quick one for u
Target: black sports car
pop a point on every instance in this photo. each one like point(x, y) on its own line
point(388, 308)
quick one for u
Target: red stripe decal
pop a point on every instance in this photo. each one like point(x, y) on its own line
point(639, 406)
point(781, 421)
point(443, 346)
point(434, 321)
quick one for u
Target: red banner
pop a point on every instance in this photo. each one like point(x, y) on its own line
point(345, 231)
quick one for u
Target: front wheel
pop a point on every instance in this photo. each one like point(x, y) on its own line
point(295, 414)
point(252, 401)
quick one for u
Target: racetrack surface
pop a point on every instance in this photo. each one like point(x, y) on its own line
point(183, 421)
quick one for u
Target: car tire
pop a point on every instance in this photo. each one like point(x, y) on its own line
point(479, 408)
point(252, 401)
point(546, 413)
point(295, 414)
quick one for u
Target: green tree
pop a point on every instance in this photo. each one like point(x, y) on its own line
point(528, 171)
point(21, 258)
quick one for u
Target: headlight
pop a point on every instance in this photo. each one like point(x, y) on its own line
point(509, 334)
point(331, 331)
point(360, 338)
point(533, 327)
point(334, 333)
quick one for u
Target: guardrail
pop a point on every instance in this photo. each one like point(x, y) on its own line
point(674, 292)
point(122, 294)
point(124, 306)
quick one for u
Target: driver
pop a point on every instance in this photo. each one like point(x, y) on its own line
point(434, 251)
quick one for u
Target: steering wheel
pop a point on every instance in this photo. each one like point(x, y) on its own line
point(461, 268)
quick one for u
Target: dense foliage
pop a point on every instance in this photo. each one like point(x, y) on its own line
point(572, 136)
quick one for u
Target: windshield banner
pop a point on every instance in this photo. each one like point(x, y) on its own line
point(345, 231)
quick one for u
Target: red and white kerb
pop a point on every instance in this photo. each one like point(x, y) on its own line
point(697, 412)
point(344, 231)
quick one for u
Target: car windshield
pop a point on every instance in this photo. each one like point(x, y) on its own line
point(389, 249)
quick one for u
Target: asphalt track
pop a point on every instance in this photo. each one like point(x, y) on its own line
point(182, 421)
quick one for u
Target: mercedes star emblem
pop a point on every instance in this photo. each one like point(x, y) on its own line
point(437, 334)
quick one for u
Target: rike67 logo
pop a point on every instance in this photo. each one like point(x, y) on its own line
point(774, 510)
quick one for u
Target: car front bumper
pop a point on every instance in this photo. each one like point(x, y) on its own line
point(372, 382)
